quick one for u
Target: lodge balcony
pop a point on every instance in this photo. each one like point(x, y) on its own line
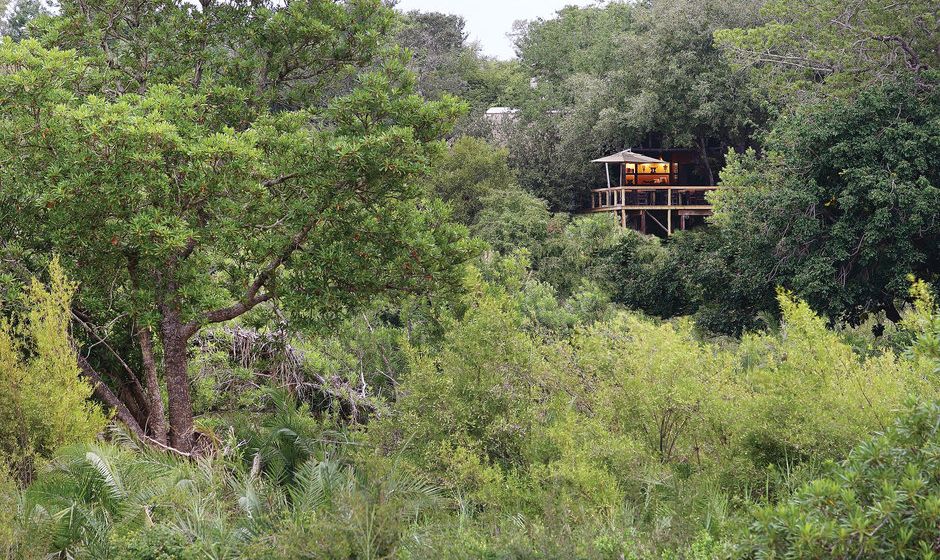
point(667, 207)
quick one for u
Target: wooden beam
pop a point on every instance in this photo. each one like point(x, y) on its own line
point(690, 210)
point(660, 224)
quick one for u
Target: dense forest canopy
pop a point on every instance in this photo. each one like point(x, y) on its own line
point(273, 284)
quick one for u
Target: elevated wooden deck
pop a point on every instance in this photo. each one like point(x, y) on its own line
point(635, 202)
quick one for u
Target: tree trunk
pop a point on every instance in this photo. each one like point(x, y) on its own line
point(703, 151)
point(156, 421)
point(175, 367)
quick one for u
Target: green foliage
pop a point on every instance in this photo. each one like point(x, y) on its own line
point(154, 543)
point(284, 441)
point(126, 501)
point(45, 402)
point(528, 429)
point(880, 502)
point(836, 45)
point(658, 384)
point(256, 152)
point(512, 219)
point(11, 534)
point(648, 275)
point(817, 397)
point(470, 176)
point(630, 421)
point(920, 326)
point(481, 401)
point(86, 496)
point(578, 251)
point(276, 164)
point(218, 167)
point(620, 75)
point(16, 17)
point(840, 208)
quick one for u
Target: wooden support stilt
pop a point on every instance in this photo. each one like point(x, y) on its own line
point(642, 221)
point(669, 211)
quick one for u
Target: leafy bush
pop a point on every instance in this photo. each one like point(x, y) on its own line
point(882, 502)
point(490, 378)
point(812, 396)
point(650, 276)
point(152, 543)
point(469, 174)
point(920, 326)
point(512, 219)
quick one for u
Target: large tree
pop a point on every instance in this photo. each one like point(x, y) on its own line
point(841, 203)
point(190, 163)
point(841, 208)
point(442, 59)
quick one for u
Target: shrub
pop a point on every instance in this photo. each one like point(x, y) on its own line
point(45, 403)
point(470, 172)
point(920, 326)
point(658, 384)
point(812, 397)
point(882, 502)
point(152, 543)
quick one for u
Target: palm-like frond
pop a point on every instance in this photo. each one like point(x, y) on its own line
point(88, 492)
point(318, 485)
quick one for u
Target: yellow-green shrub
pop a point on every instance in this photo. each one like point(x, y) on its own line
point(809, 396)
point(658, 384)
point(633, 424)
point(45, 403)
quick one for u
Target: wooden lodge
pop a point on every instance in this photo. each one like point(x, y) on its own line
point(652, 195)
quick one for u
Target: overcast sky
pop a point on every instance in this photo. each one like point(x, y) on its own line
point(488, 21)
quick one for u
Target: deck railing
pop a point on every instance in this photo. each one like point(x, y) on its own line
point(650, 197)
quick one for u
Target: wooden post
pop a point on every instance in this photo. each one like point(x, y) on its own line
point(642, 221)
point(669, 211)
point(607, 169)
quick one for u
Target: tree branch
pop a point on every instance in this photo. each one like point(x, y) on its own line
point(252, 296)
point(130, 372)
point(278, 180)
point(103, 392)
point(155, 419)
